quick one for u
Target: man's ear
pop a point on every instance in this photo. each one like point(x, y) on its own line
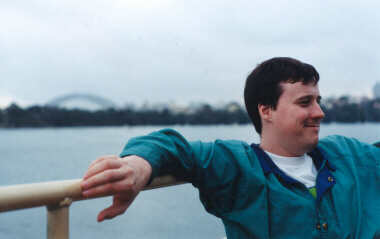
point(265, 112)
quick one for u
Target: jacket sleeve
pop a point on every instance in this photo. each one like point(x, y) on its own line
point(361, 154)
point(220, 169)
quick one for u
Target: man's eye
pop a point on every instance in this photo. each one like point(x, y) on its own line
point(304, 103)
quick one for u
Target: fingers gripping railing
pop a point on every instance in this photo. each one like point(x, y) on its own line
point(57, 197)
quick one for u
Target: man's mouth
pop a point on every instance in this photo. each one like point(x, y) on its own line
point(312, 125)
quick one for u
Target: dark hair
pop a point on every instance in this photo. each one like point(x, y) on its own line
point(263, 84)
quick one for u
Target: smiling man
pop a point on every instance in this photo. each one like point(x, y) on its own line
point(287, 107)
point(291, 185)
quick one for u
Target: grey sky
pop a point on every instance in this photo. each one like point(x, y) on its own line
point(177, 50)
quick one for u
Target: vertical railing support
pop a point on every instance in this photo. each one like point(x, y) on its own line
point(58, 220)
point(57, 196)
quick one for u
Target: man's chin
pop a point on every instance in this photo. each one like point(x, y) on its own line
point(312, 144)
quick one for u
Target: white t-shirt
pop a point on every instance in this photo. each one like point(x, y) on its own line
point(300, 168)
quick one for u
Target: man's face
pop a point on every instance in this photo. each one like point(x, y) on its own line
point(297, 117)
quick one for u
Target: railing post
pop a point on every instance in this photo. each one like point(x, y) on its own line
point(58, 220)
point(57, 196)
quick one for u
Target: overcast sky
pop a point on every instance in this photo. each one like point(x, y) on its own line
point(179, 50)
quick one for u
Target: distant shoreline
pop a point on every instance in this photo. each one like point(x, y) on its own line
point(161, 125)
point(342, 110)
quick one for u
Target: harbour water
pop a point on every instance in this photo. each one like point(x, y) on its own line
point(36, 155)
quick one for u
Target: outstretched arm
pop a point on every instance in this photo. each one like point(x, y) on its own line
point(123, 178)
point(211, 167)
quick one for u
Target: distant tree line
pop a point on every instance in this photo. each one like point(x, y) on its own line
point(343, 109)
point(346, 110)
point(42, 116)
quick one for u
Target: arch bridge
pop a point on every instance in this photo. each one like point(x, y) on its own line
point(99, 101)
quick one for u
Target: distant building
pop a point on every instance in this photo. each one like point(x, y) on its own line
point(376, 90)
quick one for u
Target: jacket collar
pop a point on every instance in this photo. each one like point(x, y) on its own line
point(325, 179)
point(317, 154)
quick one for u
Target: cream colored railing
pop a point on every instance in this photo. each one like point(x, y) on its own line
point(57, 196)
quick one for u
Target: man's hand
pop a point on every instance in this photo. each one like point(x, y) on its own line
point(123, 178)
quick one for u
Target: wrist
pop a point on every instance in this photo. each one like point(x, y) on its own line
point(142, 168)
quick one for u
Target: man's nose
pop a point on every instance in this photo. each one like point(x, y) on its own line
point(318, 112)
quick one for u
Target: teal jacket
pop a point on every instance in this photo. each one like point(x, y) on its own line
point(240, 184)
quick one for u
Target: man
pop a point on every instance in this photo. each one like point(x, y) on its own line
point(292, 185)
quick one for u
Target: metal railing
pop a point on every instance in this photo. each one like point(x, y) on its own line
point(57, 196)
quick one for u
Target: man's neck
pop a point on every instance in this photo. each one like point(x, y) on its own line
point(281, 148)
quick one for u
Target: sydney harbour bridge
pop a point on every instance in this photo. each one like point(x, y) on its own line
point(83, 101)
